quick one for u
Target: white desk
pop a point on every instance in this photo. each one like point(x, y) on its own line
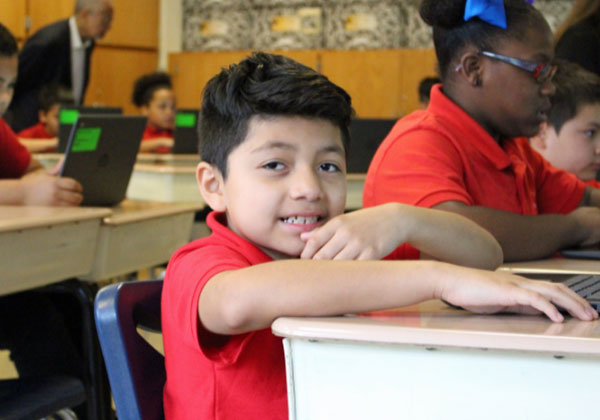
point(139, 235)
point(177, 183)
point(48, 160)
point(553, 267)
point(169, 159)
point(43, 245)
point(434, 362)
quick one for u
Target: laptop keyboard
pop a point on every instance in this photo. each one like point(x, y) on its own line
point(586, 286)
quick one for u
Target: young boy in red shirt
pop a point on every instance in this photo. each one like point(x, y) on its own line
point(570, 139)
point(42, 137)
point(273, 139)
point(153, 94)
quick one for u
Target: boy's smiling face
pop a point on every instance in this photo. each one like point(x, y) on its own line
point(287, 177)
point(576, 148)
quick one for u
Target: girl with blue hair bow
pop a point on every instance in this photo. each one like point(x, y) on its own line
point(468, 152)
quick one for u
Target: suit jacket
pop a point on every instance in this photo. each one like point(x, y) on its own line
point(44, 59)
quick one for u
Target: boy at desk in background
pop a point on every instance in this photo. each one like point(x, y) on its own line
point(43, 136)
point(570, 139)
point(469, 151)
point(31, 326)
point(22, 179)
point(153, 94)
point(273, 139)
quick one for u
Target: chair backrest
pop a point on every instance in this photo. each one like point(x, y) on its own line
point(136, 371)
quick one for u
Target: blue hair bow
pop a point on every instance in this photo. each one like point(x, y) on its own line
point(490, 11)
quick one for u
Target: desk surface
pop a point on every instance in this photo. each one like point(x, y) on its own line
point(130, 211)
point(43, 245)
point(553, 266)
point(434, 324)
point(14, 218)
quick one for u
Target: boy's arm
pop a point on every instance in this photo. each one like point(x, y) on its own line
point(40, 189)
point(375, 232)
point(148, 146)
point(38, 145)
point(533, 237)
point(249, 299)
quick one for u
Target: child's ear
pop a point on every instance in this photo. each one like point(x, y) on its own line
point(539, 140)
point(211, 185)
point(42, 117)
point(470, 66)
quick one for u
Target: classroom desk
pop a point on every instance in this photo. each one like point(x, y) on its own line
point(177, 183)
point(433, 362)
point(44, 245)
point(47, 160)
point(169, 159)
point(139, 235)
point(553, 267)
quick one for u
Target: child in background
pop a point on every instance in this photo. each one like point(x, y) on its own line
point(154, 95)
point(32, 326)
point(424, 90)
point(273, 139)
point(570, 139)
point(469, 151)
point(43, 136)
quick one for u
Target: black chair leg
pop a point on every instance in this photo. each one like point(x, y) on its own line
point(98, 401)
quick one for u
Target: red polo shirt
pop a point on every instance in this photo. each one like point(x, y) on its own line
point(37, 131)
point(442, 154)
point(14, 157)
point(211, 376)
point(153, 133)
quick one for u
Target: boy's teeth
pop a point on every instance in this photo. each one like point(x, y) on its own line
point(301, 220)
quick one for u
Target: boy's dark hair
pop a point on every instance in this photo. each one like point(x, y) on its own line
point(146, 85)
point(266, 85)
point(54, 94)
point(8, 43)
point(575, 88)
point(425, 86)
point(451, 33)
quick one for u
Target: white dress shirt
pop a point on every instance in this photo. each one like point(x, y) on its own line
point(77, 61)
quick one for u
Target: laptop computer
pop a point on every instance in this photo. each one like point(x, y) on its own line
point(100, 154)
point(586, 286)
point(185, 135)
point(68, 115)
point(366, 135)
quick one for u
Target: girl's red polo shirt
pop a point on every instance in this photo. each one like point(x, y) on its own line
point(442, 154)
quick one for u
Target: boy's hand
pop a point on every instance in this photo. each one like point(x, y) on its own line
point(495, 292)
point(367, 234)
point(43, 189)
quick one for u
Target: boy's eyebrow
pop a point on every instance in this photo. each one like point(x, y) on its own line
point(286, 146)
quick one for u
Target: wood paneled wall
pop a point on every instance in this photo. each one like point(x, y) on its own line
point(382, 83)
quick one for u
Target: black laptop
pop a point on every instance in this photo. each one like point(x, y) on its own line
point(366, 135)
point(185, 135)
point(586, 286)
point(100, 154)
point(69, 114)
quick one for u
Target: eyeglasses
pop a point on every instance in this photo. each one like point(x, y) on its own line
point(541, 72)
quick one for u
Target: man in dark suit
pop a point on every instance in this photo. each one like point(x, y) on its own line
point(58, 53)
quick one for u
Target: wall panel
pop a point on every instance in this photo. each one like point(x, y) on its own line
point(113, 72)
